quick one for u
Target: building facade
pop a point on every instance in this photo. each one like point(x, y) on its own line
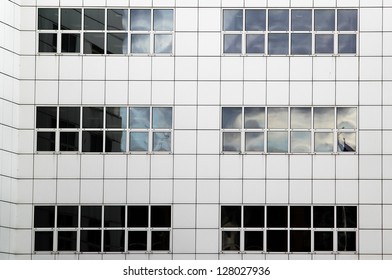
point(196, 129)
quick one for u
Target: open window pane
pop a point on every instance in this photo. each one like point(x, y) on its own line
point(162, 117)
point(347, 43)
point(140, 20)
point(71, 19)
point(254, 141)
point(160, 216)
point(346, 216)
point(69, 141)
point(230, 240)
point(254, 241)
point(94, 19)
point(43, 241)
point(70, 43)
point(232, 20)
point(137, 240)
point(323, 241)
point(48, 18)
point(66, 240)
point(117, 43)
point(113, 240)
point(44, 216)
point(231, 141)
point(300, 217)
point(324, 43)
point(347, 20)
point(232, 117)
point(301, 142)
point(323, 216)
point(277, 142)
point(138, 216)
point(253, 216)
point(160, 240)
point(277, 216)
point(114, 216)
point(138, 141)
point(140, 43)
point(67, 216)
point(255, 20)
point(255, 43)
point(347, 241)
point(278, 43)
point(276, 240)
point(324, 20)
point(94, 43)
point(163, 20)
point(301, 43)
point(300, 241)
point(47, 42)
point(163, 43)
point(139, 117)
point(346, 142)
point(46, 141)
point(91, 216)
point(161, 141)
point(277, 117)
point(230, 216)
point(301, 20)
point(117, 19)
point(90, 241)
point(324, 117)
point(46, 117)
point(278, 20)
point(254, 117)
point(232, 43)
point(323, 142)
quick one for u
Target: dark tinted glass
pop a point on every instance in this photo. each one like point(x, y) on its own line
point(94, 43)
point(44, 216)
point(46, 117)
point(301, 20)
point(160, 216)
point(92, 117)
point(91, 216)
point(347, 43)
point(113, 240)
point(347, 20)
point(254, 216)
point(231, 216)
point(137, 216)
point(117, 19)
point(324, 43)
point(300, 241)
point(70, 43)
point(90, 241)
point(347, 241)
point(114, 216)
point(115, 141)
point(71, 19)
point(69, 117)
point(94, 19)
point(300, 217)
point(46, 141)
point(254, 241)
point(301, 43)
point(278, 20)
point(92, 142)
point(66, 241)
point(160, 240)
point(255, 43)
point(323, 216)
point(69, 141)
point(324, 20)
point(278, 43)
point(323, 241)
point(137, 240)
point(116, 117)
point(140, 20)
point(276, 240)
point(67, 216)
point(232, 43)
point(255, 20)
point(276, 216)
point(47, 43)
point(232, 20)
point(48, 19)
point(117, 43)
point(230, 240)
point(346, 216)
point(43, 241)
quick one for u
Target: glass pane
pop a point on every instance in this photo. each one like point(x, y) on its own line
point(43, 241)
point(162, 142)
point(67, 216)
point(91, 216)
point(254, 241)
point(277, 142)
point(163, 20)
point(300, 142)
point(44, 216)
point(299, 240)
point(231, 142)
point(69, 117)
point(324, 43)
point(347, 43)
point(323, 142)
point(92, 117)
point(162, 117)
point(346, 216)
point(115, 141)
point(138, 141)
point(232, 117)
point(46, 141)
point(301, 20)
point(255, 20)
point(277, 216)
point(255, 43)
point(71, 19)
point(230, 216)
point(346, 117)
point(323, 241)
point(114, 216)
point(141, 20)
point(140, 43)
point(160, 240)
point(301, 117)
point(232, 20)
point(139, 117)
point(230, 241)
point(278, 43)
point(163, 43)
point(160, 216)
point(69, 141)
point(138, 216)
point(253, 216)
point(347, 241)
point(117, 19)
point(113, 240)
point(324, 117)
point(92, 141)
point(137, 240)
point(70, 43)
point(324, 20)
point(254, 141)
point(346, 141)
point(276, 240)
point(277, 117)
point(301, 43)
point(278, 20)
point(347, 20)
point(47, 42)
point(116, 117)
point(94, 19)
point(90, 241)
point(300, 217)
point(117, 43)
point(254, 117)
point(94, 43)
point(46, 117)
point(66, 241)
point(48, 19)
point(323, 216)
point(232, 43)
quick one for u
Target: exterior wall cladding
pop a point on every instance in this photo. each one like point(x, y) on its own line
point(185, 175)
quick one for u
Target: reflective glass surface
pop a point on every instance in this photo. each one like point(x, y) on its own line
point(232, 43)
point(255, 20)
point(114, 216)
point(346, 216)
point(347, 20)
point(137, 240)
point(300, 241)
point(139, 117)
point(116, 117)
point(69, 117)
point(91, 216)
point(323, 142)
point(300, 217)
point(163, 43)
point(162, 141)
point(44, 216)
point(347, 241)
point(255, 43)
point(276, 240)
point(324, 117)
point(254, 141)
point(138, 216)
point(70, 43)
point(162, 117)
point(346, 141)
point(278, 20)
point(48, 19)
point(140, 43)
point(253, 216)
point(160, 216)
point(232, 117)
point(160, 240)
point(46, 117)
point(324, 43)
point(90, 241)
point(347, 43)
point(94, 19)
point(254, 241)
point(232, 20)
point(115, 141)
point(117, 19)
point(323, 216)
point(140, 20)
point(92, 117)
point(230, 240)
point(301, 117)
point(47, 42)
point(277, 117)
point(46, 141)
point(69, 141)
point(71, 19)
point(276, 216)
point(66, 241)
point(324, 20)
point(43, 241)
point(92, 141)
point(231, 216)
point(346, 117)
point(163, 20)
point(94, 43)
point(231, 141)
point(277, 142)
point(300, 142)
point(138, 141)
point(113, 240)
point(67, 216)
point(301, 43)
point(301, 20)
point(278, 43)
point(323, 241)
point(254, 117)
point(117, 43)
